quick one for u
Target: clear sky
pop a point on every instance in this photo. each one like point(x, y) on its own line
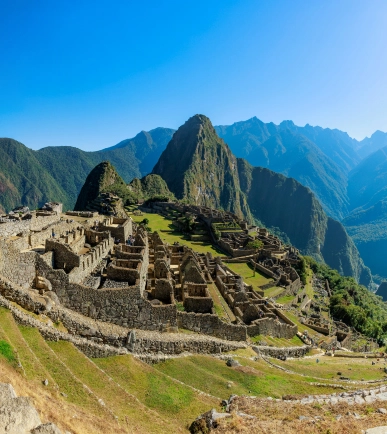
point(91, 73)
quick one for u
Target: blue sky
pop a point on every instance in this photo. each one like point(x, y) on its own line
point(92, 73)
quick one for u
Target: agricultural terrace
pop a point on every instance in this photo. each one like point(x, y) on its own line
point(170, 234)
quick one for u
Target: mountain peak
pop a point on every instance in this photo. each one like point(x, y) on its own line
point(198, 166)
point(102, 178)
point(287, 124)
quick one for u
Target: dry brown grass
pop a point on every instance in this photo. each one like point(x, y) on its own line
point(53, 408)
point(283, 418)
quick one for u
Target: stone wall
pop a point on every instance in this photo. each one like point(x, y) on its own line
point(16, 266)
point(37, 238)
point(125, 270)
point(119, 228)
point(262, 269)
point(271, 327)
point(86, 214)
point(123, 251)
point(125, 306)
point(280, 353)
point(235, 253)
point(98, 339)
point(163, 291)
point(211, 325)
point(78, 266)
point(196, 298)
point(14, 227)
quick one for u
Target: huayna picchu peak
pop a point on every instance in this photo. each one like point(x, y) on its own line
point(200, 168)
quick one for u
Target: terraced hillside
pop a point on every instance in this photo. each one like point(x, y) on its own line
point(121, 394)
point(115, 395)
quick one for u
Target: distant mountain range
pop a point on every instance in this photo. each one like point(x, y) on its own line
point(33, 177)
point(347, 176)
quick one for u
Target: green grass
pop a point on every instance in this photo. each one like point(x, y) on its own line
point(70, 386)
point(302, 327)
point(169, 234)
point(254, 378)
point(122, 404)
point(286, 299)
point(156, 390)
point(246, 271)
point(328, 367)
point(7, 352)
point(31, 366)
point(308, 286)
point(273, 291)
point(221, 307)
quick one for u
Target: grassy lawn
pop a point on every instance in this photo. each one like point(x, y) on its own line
point(286, 299)
point(70, 386)
point(156, 390)
point(328, 367)
point(123, 405)
point(272, 292)
point(169, 234)
point(308, 287)
point(32, 368)
point(246, 271)
point(254, 378)
point(303, 327)
point(221, 307)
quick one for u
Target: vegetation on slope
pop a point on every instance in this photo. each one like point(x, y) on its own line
point(58, 172)
point(23, 180)
point(102, 179)
point(284, 203)
point(354, 304)
point(151, 187)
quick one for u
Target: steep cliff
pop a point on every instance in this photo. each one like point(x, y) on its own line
point(200, 168)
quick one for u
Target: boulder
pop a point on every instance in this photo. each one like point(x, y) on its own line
point(7, 393)
point(52, 295)
point(377, 430)
point(232, 363)
point(206, 421)
point(43, 284)
point(18, 416)
point(46, 428)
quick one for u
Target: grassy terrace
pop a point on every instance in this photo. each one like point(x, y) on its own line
point(155, 389)
point(255, 378)
point(329, 367)
point(273, 291)
point(169, 234)
point(246, 271)
point(220, 305)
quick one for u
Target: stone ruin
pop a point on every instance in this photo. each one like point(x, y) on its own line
point(55, 264)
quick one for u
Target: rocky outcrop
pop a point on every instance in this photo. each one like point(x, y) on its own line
point(19, 416)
